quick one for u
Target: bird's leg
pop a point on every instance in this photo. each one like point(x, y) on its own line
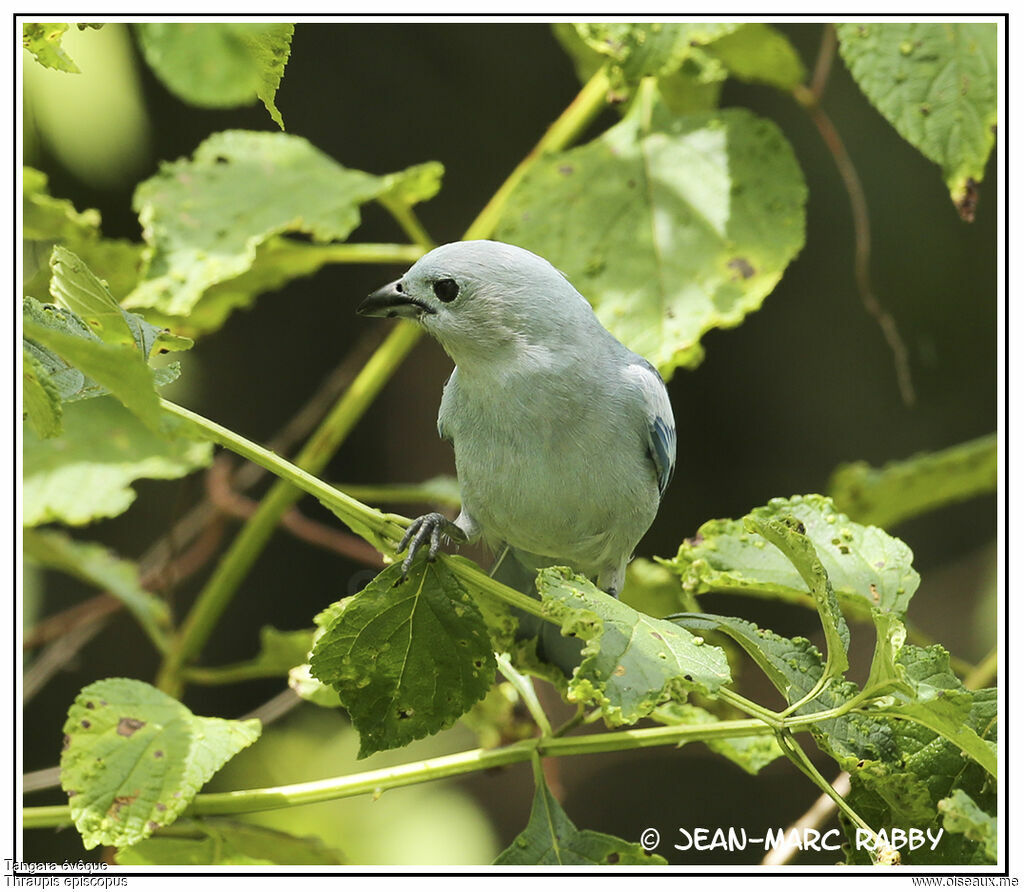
point(429, 526)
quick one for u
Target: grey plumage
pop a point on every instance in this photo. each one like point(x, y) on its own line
point(564, 439)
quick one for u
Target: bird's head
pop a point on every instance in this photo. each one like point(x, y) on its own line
point(484, 299)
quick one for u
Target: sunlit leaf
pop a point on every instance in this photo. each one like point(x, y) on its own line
point(211, 220)
point(134, 758)
point(630, 662)
point(86, 473)
point(40, 396)
point(936, 83)
point(669, 226)
point(43, 40)
point(868, 568)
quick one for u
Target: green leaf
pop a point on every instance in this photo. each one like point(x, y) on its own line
point(903, 786)
point(787, 534)
point(900, 490)
point(302, 682)
point(45, 217)
point(42, 40)
point(761, 54)
point(40, 395)
point(936, 83)
point(639, 50)
point(204, 219)
point(749, 753)
point(551, 838)
point(85, 474)
point(76, 288)
point(118, 369)
point(47, 220)
point(407, 657)
point(96, 565)
point(214, 841)
point(280, 653)
point(89, 345)
point(133, 759)
point(940, 702)
point(899, 766)
point(670, 226)
point(961, 814)
point(868, 568)
point(631, 662)
point(219, 64)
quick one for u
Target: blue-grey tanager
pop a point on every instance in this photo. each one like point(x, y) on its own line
point(564, 439)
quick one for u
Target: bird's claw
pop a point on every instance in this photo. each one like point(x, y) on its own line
point(429, 526)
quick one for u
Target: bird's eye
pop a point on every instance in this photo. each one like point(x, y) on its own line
point(446, 290)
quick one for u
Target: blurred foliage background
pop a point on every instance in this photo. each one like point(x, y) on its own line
point(804, 384)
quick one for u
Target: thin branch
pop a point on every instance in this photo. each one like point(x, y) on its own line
point(823, 65)
point(230, 502)
point(820, 812)
point(810, 99)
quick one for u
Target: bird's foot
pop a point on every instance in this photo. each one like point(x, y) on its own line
point(427, 527)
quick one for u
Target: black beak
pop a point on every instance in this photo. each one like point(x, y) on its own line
point(391, 301)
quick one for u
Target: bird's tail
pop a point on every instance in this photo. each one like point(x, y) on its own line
point(552, 646)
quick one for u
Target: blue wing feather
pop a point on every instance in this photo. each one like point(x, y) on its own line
point(661, 431)
point(663, 451)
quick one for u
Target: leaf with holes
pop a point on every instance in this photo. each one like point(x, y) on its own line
point(551, 838)
point(937, 84)
point(903, 489)
point(669, 225)
point(43, 40)
point(205, 218)
point(407, 657)
point(134, 758)
point(961, 814)
point(868, 568)
point(631, 662)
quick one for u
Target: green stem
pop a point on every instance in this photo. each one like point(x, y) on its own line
point(430, 491)
point(795, 753)
point(580, 112)
point(375, 782)
point(750, 707)
point(247, 545)
point(235, 672)
point(407, 219)
point(371, 252)
point(524, 685)
point(373, 525)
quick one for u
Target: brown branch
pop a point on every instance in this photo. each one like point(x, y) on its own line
point(810, 98)
point(227, 500)
point(820, 811)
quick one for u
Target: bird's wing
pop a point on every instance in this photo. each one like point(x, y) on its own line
point(661, 425)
